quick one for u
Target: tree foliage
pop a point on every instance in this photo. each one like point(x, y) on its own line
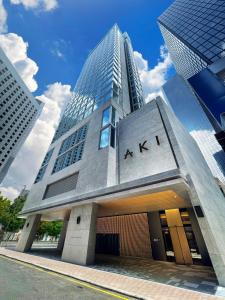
point(9, 213)
point(11, 223)
point(52, 228)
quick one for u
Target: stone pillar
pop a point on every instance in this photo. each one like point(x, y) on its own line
point(28, 233)
point(63, 233)
point(79, 246)
point(158, 247)
point(199, 238)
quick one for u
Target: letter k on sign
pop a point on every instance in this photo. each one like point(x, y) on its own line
point(142, 146)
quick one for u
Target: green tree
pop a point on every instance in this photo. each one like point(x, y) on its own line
point(52, 228)
point(9, 213)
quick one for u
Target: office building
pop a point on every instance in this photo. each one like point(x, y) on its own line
point(123, 176)
point(182, 99)
point(194, 32)
point(18, 113)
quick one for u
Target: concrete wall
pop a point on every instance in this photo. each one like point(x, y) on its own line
point(143, 125)
point(97, 168)
point(101, 168)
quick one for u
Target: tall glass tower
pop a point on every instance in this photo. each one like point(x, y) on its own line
point(109, 72)
point(194, 32)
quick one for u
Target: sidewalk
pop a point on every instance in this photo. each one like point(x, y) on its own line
point(142, 289)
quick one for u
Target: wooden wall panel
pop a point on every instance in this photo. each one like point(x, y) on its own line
point(133, 231)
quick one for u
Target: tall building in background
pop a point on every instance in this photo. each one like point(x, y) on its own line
point(109, 72)
point(18, 113)
point(178, 93)
point(121, 175)
point(194, 32)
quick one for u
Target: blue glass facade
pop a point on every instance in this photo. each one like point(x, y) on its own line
point(189, 111)
point(44, 165)
point(108, 71)
point(194, 32)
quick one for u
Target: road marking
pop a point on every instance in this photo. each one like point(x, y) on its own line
point(78, 282)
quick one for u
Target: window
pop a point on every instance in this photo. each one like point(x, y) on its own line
point(107, 133)
point(71, 149)
point(104, 138)
point(44, 165)
point(106, 117)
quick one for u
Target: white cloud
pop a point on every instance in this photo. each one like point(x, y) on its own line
point(3, 18)
point(27, 162)
point(45, 5)
point(153, 79)
point(58, 53)
point(9, 192)
point(16, 49)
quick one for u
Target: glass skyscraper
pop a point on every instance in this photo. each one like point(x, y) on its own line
point(109, 72)
point(184, 102)
point(194, 32)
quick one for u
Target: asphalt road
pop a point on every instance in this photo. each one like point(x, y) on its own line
point(19, 281)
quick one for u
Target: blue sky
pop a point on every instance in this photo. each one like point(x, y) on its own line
point(74, 28)
point(48, 41)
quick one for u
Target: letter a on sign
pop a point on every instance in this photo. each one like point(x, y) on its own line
point(142, 146)
point(128, 153)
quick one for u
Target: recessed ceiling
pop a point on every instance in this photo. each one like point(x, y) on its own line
point(151, 202)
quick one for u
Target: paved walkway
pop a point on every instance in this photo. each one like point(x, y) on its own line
point(195, 277)
point(142, 289)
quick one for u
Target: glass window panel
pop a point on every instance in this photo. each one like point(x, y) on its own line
point(106, 117)
point(104, 138)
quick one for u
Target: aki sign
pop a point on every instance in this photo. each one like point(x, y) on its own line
point(142, 147)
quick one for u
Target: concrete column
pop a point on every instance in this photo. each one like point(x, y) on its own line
point(28, 233)
point(158, 247)
point(79, 246)
point(63, 233)
point(199, 238)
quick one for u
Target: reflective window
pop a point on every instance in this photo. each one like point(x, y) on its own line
point(104, 137)
point(106, 117)
point(194, 32)
point(44, 165)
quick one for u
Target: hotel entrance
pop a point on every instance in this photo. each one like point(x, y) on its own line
point(178, 236)
point(165, 235)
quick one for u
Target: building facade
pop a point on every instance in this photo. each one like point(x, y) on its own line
point(109, 72)
point(19, 111)
point(194, 32)
point(178, 93)
point(127, 180)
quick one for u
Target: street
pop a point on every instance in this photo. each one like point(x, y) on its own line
point(21, 281)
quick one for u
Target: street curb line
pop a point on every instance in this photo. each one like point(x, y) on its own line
point(86, 284)
point(111, 288)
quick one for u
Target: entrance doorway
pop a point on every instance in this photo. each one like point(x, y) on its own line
point(179, 239)
point(107, 244)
